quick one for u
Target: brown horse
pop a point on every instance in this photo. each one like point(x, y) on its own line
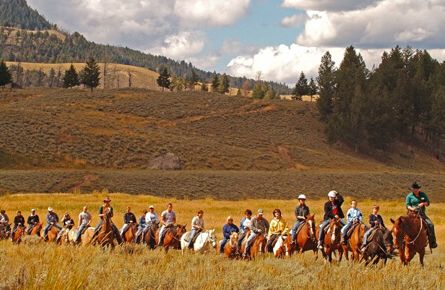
point(410, 234)
point(379, 246)
point(172, 237)
point(105, 236)
point(52, 234)
point(149, 237)
point(231, 247)
point(306, 239)
point(35, 231)
point(130, 234)
point(332, 240)
point(19, 232)
point(355, 243)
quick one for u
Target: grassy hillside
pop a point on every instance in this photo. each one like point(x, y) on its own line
point(142, 269)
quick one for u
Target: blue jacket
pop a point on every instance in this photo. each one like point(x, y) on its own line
point(229, 229)
point(142, 221)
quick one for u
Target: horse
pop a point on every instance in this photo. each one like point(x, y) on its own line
point(35, 231)
point(306, 239)
point(203, 241)
point(52, 234)
point(149, 236)
point(172, 237)
point(410, 234)
point(379, 246)
point(258, 246)
point(4, 231)
point(231, 247)
point(19, 232)
point(130, 234)
point(354, 243)
point(105, 236)
point(282, 246)
point(332, 240)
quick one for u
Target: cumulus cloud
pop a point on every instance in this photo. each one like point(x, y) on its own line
point(385, 24)
point(211, 12)
point(328, 5)
point(182, 45)
point(294, 20)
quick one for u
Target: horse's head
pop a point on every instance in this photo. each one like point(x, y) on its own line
point(310, 220)
point(234, 238)
point(388, 240)
point(180, 230)
point(398, 231)
point(212, 237)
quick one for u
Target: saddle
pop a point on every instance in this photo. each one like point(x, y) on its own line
point(351, 230)
point(373, 232)
point(187, 237)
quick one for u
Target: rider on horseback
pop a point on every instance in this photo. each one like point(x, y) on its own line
point(107, 206)
point(418, 201)
point(197, 227)
point(228, 229)
point(301, 213)
point(354, 215)
point(52, 219)
point(33, 220)
point(84, 222)
point(332, 209)
point(245, 224)
point(19, 220)
point(4, 220)
point(142, 225)
point(375, 221)
point(68, 224)
point(168, 219)
point(259, 226)
point(129, 218)
point(277, 227)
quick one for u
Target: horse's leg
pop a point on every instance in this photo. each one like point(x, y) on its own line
point(421, 255)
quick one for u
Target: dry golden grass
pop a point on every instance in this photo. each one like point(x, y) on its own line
point(51, 267)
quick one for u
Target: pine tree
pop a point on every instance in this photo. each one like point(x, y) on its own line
point(215, 83)
point(71, 78)
point(90, 75)
point(51, 77)
point(301, 87)
point(326, 86)
point(313, 90)
point(164, 79)
point(259, 91)
point(5, 75)
point(224, 84)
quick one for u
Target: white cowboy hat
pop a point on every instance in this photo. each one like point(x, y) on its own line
point(50, 209)
point(302, 196)
point(151, 206)
point(332, 194)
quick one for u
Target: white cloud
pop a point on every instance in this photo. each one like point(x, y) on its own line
point(328, 5)
point(385, 24)
point(182, 45)
point(294, 20)
point(211, 12)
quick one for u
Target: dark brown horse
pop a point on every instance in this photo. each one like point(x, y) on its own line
point(19, 232)
point(149, 237)
point(105, 236)
point(130, 234)
point(355, 242)
point(379, 246)
point(410, 235)
point(332, 243)
point(172, 237)
point(306, 239)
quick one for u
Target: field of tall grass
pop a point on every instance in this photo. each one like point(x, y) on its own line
point(55, 267)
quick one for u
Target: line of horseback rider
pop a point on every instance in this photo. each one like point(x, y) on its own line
point(415, 201)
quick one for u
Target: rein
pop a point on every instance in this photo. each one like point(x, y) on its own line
point(418, 234)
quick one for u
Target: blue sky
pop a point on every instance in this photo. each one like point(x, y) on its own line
point(276, 39)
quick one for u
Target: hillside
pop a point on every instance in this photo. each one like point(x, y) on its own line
point(17, 13)
point(228, 147)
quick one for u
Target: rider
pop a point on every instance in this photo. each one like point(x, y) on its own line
point(168, 217)
point(151, 218)
point(68, 224)
point(259, 226)
point(375, 221)
point(245, 224)
point(301, 213)
point(18, 220)
point(102, 209)
point(84, 222)
point(52, 219)
point(228, 229)
point(418, 201)
point(142, 225)
point(332, 209)
point(129, 218)
point(353, 216)
point(4, 220)
point(33, 220)
point(278, 226)
point(197, 227)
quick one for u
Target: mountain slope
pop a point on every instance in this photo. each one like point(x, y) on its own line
point(17, 13)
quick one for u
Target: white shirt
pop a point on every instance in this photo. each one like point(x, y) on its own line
point(197, 223)
point(151, 218)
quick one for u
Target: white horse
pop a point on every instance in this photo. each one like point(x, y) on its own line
point(203, 241)
point(281, 245)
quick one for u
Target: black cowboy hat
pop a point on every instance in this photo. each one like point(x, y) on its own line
point(415, 185)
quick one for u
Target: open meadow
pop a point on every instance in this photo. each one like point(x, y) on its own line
point(49, 266)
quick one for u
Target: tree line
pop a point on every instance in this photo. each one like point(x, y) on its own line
point(403, 99)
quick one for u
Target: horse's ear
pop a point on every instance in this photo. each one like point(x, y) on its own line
point(392, 221)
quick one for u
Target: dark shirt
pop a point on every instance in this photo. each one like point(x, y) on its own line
point(68, 222)
point(52, 217)
point(6, 217)
point(33, 220)
point(129, 217)
point(260, 224)
point(376, 218)
point(301, 210)
point(329, 208)
point(228, 229)
point(101, 210)
point(142, 220)
point(19, 220)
